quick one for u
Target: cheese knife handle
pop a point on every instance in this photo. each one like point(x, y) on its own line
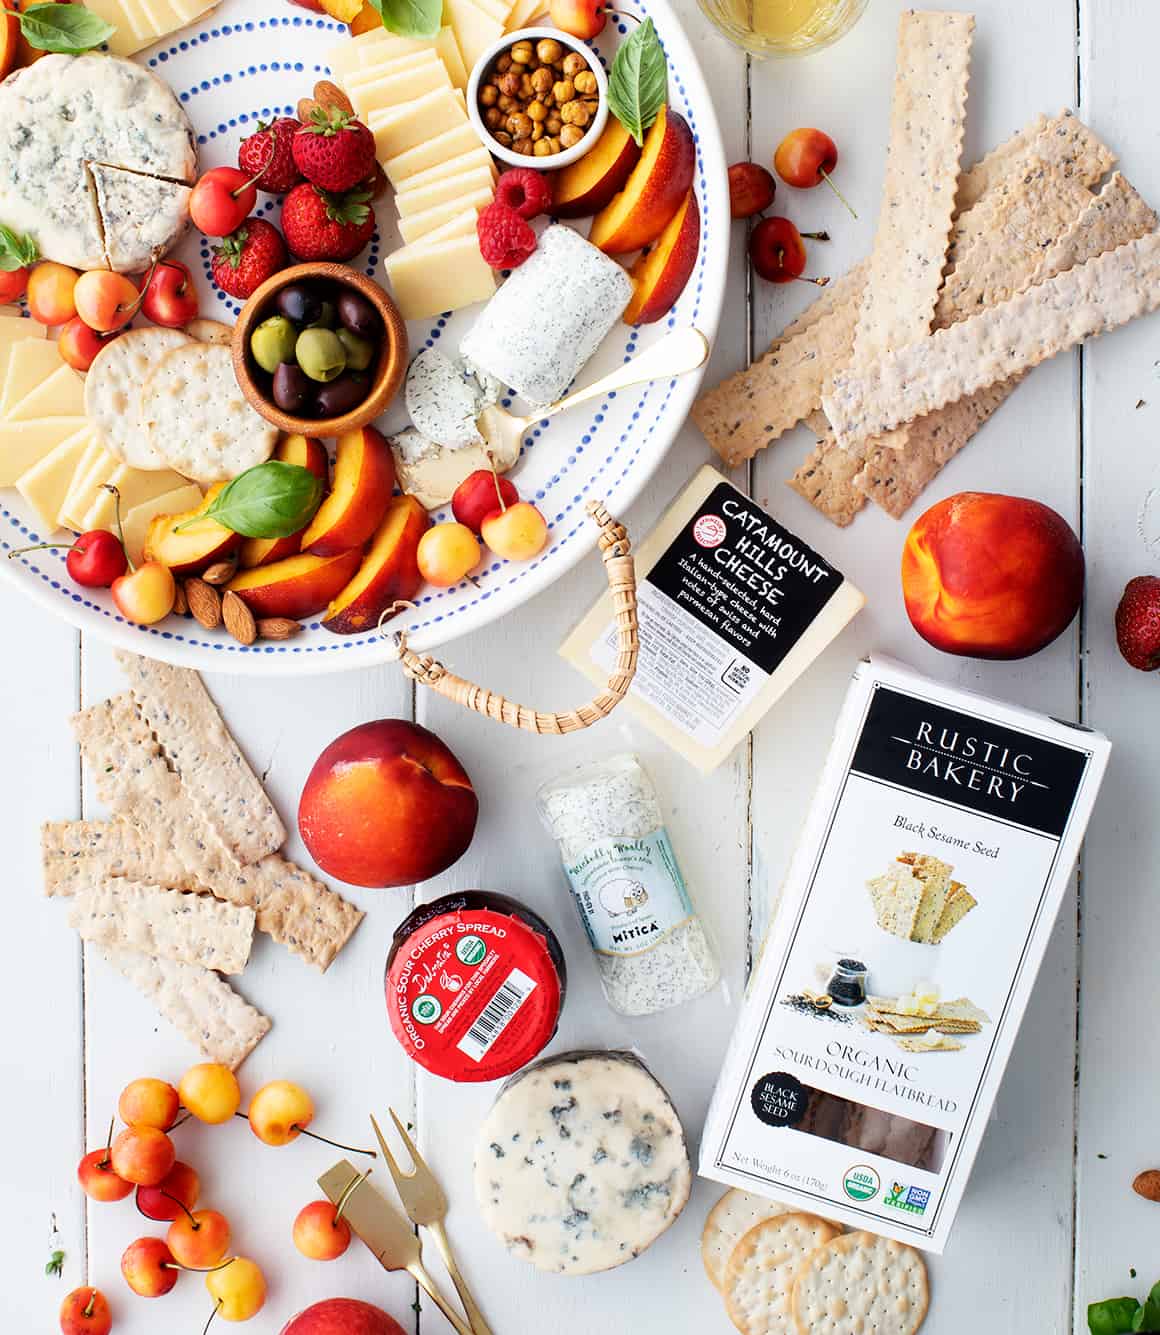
point(425, 1281)
point(677, 353)
point(474, 1316)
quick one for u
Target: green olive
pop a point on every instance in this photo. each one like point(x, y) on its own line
point(327, 317)
point(273, 342)
point(320, 354)
point(360, 352)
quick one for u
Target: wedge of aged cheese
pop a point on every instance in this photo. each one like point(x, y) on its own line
point(581, 1163)
point(31, 363)
point(452, 188)
point(475, 29)
point(428, 280)
point(59, 394)
point(419, 224)
point(23, 444)
point(404, 86)
point(137, 521)
point(45, 484)
point(463, 224)
point(432, 114)
point(140, 215)
point(443, 148)
point(82, 496)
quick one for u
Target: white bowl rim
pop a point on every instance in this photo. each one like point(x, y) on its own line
point(557, 160)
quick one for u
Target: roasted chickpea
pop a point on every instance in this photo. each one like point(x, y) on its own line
point(575, 113)
point(553, 124)
point(522, 53)
point(519, 126)
point(570, 135)
point(527, 91)
point(488, 95)
point(502, 137)
point(549, 50)
point(542, 81)
point(563, 91)
point(524, 146)
point(542, 148)
point(509, 83)
point(537, 111)
point(493, 118)
point(585, 82)
point(503, 63)
point(574, 62)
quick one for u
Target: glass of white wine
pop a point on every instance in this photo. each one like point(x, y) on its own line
point(783, 27)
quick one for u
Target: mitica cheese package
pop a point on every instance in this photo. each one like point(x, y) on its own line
point(733, 608)
point(918, 906)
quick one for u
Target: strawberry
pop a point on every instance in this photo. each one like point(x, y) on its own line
point(1138, 623)
point(247, 257)
point(334, 150)
point(322, 226)
point(267, 155)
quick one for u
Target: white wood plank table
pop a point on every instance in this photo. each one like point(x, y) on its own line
point(1049, 1222)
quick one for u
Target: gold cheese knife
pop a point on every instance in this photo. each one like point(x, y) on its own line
point(384, 1230)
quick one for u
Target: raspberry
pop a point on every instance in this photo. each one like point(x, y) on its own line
point(525, 191)
point(505, 240)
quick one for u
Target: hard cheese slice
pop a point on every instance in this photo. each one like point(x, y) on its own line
point(464, 162)
point(19, 329)
point(23, 444)
point(388, 63)
point(444, 147)
point(79, 503)
point(475, 29)
point(463, 224)
point(418, 225)
point(523, 11)
point(405, 86)
point(45, 484)
point(89, 462)
point(432, 114)
point(32, 361)
point(428, 280)
point(137, 521)
point(60, 394)
point(126, 41)
point(412, 202)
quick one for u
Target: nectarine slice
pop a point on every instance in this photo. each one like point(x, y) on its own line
point(364, 478)
point(584, 187)
point(10, 39)
point(659, 276)
point(655, 189)
point(186, 551)
point(389, 572)
point(297, 587)
point(306, 452)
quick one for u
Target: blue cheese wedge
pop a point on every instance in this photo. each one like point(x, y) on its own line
point(547, 320)
point(581, 1163)
point(61, 114)
point(441, 402)
point(140, 215)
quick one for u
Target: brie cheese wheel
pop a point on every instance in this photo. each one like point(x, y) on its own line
point(63, 113)
point(581, 1163)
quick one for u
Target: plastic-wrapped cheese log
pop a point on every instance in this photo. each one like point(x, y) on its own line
point(582, 1162)
point(550, 316)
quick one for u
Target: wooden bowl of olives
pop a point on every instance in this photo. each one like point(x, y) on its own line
point(320, 349)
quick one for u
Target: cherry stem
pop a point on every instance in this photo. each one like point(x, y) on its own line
point(42, 547)
point(108, 1159)
point(92, 1302)
point(181, 1121)
point(817, 282)
point(216, 1309)
point(169, 1196)
point(498, 492)
point(815, 236)
point(351, 1149)
point(108, 486)
point(348, 1192)
point(826, 177)
point(199, 1269)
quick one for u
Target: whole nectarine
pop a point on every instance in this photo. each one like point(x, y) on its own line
point(342, 1316)
point(991, 576)
point(387, 804)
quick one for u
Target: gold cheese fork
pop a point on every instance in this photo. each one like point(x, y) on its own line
point(426, 1204)
point(677, 353)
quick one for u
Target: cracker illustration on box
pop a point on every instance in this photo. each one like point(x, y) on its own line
point(916, 900)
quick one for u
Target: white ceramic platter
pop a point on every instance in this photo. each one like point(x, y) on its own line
point(250, 61)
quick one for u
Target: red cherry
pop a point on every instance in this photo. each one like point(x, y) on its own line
point(170, 298)
point(94, 561)
point(221, 200)
point(751, 189)
point(778, 252)
point(805, 158)
point(13, 284)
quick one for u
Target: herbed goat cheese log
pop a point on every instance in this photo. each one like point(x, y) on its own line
point(581, 1163)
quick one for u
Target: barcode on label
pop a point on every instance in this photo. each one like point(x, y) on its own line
point(495, 1017)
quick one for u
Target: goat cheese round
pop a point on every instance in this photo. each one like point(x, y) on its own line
point(581, 1163)
point(62, 115)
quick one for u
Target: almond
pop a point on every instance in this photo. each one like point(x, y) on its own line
point(329, 94)
point(278, 628)
point(221, 572)
point(180, 602)
point(238, 618)
point(305, 108)
point(204, 602)
point(1147, 1184)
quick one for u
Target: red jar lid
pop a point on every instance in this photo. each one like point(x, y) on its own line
point(475, 983)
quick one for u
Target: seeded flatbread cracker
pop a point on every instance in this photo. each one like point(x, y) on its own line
point(959, 903)
point(77, 852)
point(826, 480)
point(214, 774)
point(113, 392)
point(759, 1275)
point(197, 417)
point(861, 1284)
point(1117, 214)
point(930, 1043)
point(205, 1008)
point(1006, 340)
point(896, 897)
point(734, 1214)
point(935, 877)
point(962, 1009)
point(209, 331)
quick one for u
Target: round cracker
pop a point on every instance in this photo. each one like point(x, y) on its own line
point(113, 392)
point(198, 417)
point(759, 1276)
point(209, 331)
point(861, 1284)
point(734, 1214)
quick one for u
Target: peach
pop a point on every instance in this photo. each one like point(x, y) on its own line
point(177, 1190)
point(98, 1179)
point(279, 1111)
point(659, 276)
point(307, 452)
point(364, 478)
point(655, 189)
point(148, 1267)
point(320, 1232)
point(10, 38)
point(387, 804)
point(586, 185)
point(85, 1312)
point(299, 586)
point(367, 18)
point(389, 572)
point(991, 576)
point(189, 550)
point(342, 1316)
point(142, 1155)
point(148, 1102)
point(199, 1239)
point(210, 1092)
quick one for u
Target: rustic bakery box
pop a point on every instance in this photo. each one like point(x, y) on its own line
point(919, 903)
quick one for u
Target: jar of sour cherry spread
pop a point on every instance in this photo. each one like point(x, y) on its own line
point(475, 984)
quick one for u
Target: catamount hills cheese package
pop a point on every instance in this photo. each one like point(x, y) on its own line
point(733, 608)
point(918, 905)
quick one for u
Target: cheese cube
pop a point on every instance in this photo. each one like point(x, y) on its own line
point(136, 523)
point(44, 485)
point(463, 224)
point(60, 394)
point(449, 144)
point(394, 89)
point(32, 361)
point(411, 202)
point(23, 444)
point(428, 280)
point(429, 115)
point(475, 157)
point(475, 30)
point(419, 224)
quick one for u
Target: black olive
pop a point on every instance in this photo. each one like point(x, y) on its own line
point(343, 394)
point(358, 315)
point(293, 388)
point(299, 302)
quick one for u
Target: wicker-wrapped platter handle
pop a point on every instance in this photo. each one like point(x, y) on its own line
point(615, 550)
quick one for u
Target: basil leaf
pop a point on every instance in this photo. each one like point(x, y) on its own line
point(66, 29)
point(16, 251)
point(638, 85)
point(1114, 1316)
point(270, 500)
point(410, 18)
point(1148, 1318)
